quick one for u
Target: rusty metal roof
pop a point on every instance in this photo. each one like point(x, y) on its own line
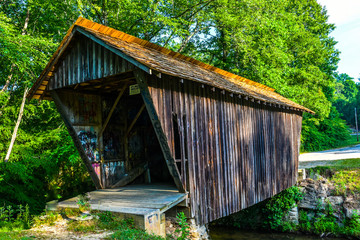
point(164, 61)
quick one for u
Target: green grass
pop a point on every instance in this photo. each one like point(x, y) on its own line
point(123, 228)
point(344, 174)
point(346, 163)
point(14, 235)
point(323, 165)
point(347, 182)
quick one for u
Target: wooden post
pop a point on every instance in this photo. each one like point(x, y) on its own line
point(134, 120)
point(356, 124)
point(112, 110)
point(75, 138)
point(103, 127)
point(141, 80)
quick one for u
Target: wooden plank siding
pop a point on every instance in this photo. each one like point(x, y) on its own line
point(86, 60)
point(238, 151)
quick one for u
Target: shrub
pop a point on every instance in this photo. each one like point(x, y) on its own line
point(324, 134)
point(352, 226)
point(14, 219)
point(278, 206)
point(184, 226)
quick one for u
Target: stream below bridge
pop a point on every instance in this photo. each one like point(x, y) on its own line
point(223, 233)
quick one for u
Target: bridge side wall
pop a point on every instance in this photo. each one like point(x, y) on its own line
point(231, 152)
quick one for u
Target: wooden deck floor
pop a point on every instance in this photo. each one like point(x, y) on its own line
point(132, 199)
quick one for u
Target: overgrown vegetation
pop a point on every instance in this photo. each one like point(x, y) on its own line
point(345, 175)
point(271, 215)
point(12, 222)
point(278, 206)
point(122, 228)
point(324, 223)
point(184, 229)
point(14, 219)
point(266, 215)
point(283, 44)
point(332, 132)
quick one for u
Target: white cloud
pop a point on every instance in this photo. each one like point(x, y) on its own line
point(342, 11)
point(345, 14)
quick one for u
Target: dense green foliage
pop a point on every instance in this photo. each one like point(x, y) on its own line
point(324, 221)
point(14, 219)
point(266, 215)
point(328, 133)
point(347, 98)
point(47, 169)
point(270, 215)
point(279, 205)
point(283, 44)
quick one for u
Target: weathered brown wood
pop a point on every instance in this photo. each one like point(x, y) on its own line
point(134, 120)
point(131, 176)
point(121, 93)
point(141, 80)
point(229, 143)
point(75, 138)
point(189, 134)
point(85, 61)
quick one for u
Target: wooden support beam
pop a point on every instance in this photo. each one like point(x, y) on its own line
point(135, 119)
point(141, 80)
point(112, 109)
point(75, 138)
point(131, 176)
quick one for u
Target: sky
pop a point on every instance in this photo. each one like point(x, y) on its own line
point(345, 14)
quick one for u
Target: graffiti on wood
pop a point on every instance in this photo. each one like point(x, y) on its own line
point(88, 140)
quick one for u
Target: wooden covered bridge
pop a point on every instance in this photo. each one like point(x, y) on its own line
point(142, 114)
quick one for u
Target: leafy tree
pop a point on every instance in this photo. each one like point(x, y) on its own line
point(284, 44)
point(43, 163)
point(347, 97)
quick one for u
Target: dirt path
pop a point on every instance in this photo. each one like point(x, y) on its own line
point(314, 159)
point(59, 231)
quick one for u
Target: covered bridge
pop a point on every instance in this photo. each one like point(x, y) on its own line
point(140, 113)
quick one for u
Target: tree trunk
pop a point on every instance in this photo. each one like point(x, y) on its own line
point(13, 138)
point(16, 126)
point(23, 31)
point(8, 80)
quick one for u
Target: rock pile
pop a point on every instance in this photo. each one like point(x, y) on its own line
point(196, 232)
point(318, 194)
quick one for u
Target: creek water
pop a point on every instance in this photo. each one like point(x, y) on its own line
point(221, 233)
